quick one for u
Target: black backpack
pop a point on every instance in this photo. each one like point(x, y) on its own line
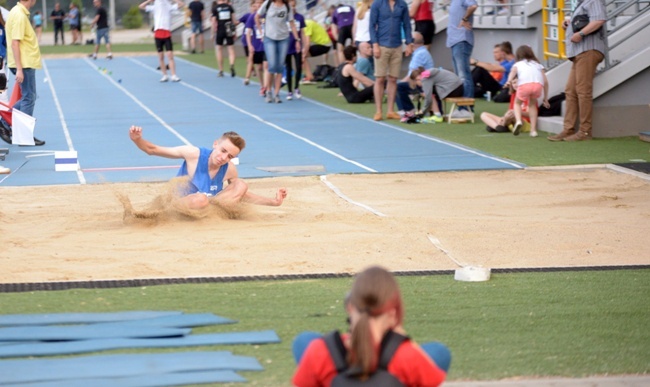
point(349, 377)
point(323, 72)
point(555, 108)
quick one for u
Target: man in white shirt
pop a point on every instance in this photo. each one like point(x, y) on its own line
point(162, 11)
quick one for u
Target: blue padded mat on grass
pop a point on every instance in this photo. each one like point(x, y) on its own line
point(80, 318)
point(175, 379)
point(116, 366)
point(73, 347)
point(85, 332)
point(177, 321)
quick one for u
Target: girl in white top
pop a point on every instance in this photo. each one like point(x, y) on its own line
point(531, 82)
point(361, 25)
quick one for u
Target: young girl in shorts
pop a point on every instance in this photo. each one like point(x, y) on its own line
point(531, 82)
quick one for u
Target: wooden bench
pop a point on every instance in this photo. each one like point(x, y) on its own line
point(455, 103)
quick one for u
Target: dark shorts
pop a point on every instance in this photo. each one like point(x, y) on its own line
point(345, 33)
point(427, 28)
point(74, 28)
point(259, 57)
point(318, 50)
point(223, 39)
point(164, 44)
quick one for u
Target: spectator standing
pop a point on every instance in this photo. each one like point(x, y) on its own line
point(100, 22)
point(223, 25)
point(278, 24)
point(244, 42)
point(57, 16)
point(460, 38)
point(74, 19)
point(361, 25)
point(342, 21)
point(585, 49)
point(421, 12)
point(197, 15)
point(294, 55)
point(388, 18)
point(256, 56)
point(38, 25)
point(5, 134)
point(317, 42)
point(162, 20)
point(491, 77)
point(23, 59)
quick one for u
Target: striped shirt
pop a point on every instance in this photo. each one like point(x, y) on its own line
point(594, 41)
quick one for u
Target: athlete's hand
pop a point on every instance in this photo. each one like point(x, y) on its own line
point(135, 133)
point(280, 196)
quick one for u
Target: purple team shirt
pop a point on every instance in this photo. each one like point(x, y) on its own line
point(300, 24)
point(343, 16)
point(256, 41)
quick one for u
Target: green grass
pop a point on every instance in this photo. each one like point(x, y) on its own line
point(528, 324)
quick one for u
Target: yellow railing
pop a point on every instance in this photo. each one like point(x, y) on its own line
point(553, 14)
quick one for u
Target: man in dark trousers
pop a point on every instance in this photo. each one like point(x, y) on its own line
point(57, 17)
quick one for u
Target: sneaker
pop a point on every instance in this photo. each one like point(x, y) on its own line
point(164, 78)
point(4, 171)
point(503, 12)
point(246, 81)
point(220, 74)
point(461, 114)
point(277, 99)
point(94, 56)
point(38, 142)
point(434, 120)
point(517, 129)
point(262, 91)
point(269, 99)
point(175, 78)
point(298, 94)
point(109, 56)
point(406, 117)
point(5, 131)
point(533, 134)
point(232, 71)
point(289, 96)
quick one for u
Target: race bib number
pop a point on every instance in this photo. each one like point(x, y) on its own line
point(224, 15)
point(343, 9)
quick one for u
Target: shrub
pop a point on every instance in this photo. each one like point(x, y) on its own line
point(132, 18)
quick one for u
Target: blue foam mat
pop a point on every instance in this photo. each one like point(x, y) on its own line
point(174, 379)
point(177, 321)
point(80, 318)
point(85, 332)
point(116, 366)
point(74, 347)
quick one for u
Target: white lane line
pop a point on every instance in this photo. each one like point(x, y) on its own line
point(64, 124)
point(277, 127)
point(142, 105)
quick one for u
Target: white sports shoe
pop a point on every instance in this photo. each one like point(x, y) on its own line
point(164, 78)
point(4, 171)
point(175, 78)
point(462, 114)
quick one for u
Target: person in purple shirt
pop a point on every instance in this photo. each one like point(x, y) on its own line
point(294, 54)
point(342, 21)
point(388, 18)
point(255, 43)
point(207, 170)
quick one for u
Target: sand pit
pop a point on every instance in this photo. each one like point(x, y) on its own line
point(497, 219)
